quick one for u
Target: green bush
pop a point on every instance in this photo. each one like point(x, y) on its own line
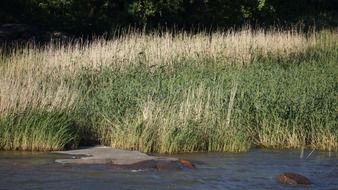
point(88, 16)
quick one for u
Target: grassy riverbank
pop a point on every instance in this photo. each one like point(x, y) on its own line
point(158, 93)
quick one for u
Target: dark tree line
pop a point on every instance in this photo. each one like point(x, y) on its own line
point(96, 16)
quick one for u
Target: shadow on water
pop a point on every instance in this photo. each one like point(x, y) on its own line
point(256, 169)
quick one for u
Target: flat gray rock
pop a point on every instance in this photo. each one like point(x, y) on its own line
point(108, 155)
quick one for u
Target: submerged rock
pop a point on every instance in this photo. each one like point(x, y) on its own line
point(159, 165)
point(123, 159)
point(293, 179)
point(187, 164)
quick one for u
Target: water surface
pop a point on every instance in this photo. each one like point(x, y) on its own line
point(256, 169)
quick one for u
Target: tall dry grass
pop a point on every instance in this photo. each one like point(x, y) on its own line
point(162, 92)
point(42, 77)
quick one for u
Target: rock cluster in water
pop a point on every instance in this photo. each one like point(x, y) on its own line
point(123, 159)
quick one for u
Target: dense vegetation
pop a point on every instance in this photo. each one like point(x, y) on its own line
point(97, 16)
point(225, 91)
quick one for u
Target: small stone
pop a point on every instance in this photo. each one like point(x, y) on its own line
point(293, 179)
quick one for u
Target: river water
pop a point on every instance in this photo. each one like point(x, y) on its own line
point(256, 169)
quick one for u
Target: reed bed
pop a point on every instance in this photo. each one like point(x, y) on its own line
point(164, 92)
point(37, 131)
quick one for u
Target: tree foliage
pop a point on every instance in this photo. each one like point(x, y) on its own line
point(102, 15)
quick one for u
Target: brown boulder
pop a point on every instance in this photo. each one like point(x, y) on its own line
point(293, 179)
point(187, 164)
